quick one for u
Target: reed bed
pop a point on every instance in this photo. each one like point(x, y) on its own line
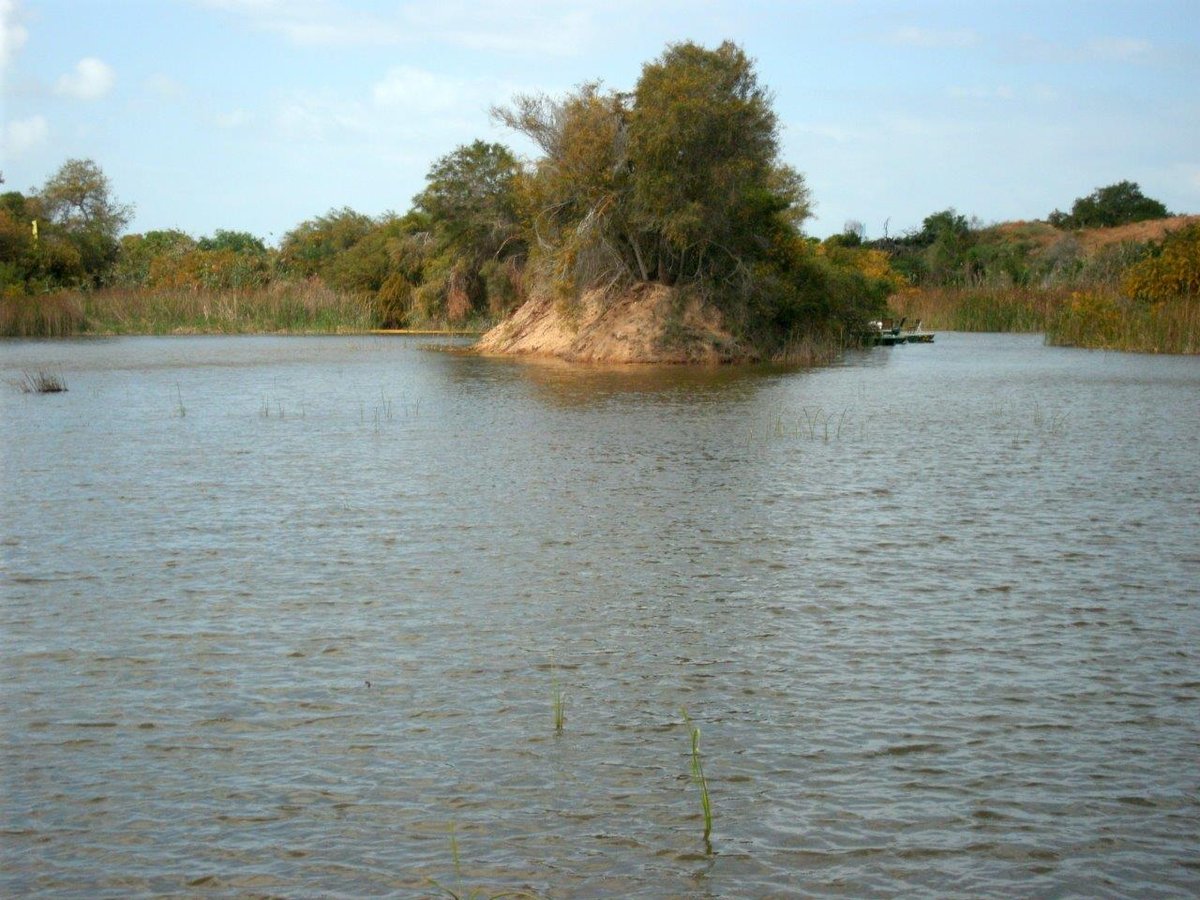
point(809, 349)
point(1107, 321)
point(1007, 309)
point(46, 315)
point(283, 307)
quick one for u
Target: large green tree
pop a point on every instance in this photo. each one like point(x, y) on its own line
point(703, 147)
point(79, 203)
point(471, 200)
point(315, 243)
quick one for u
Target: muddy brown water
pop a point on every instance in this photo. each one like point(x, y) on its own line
point(287, 616)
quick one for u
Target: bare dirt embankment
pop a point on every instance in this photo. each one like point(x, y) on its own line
point(646, 324)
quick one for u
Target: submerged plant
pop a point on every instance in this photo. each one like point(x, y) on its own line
point(698, 777)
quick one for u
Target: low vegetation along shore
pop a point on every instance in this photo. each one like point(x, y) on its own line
point(606, 248)
point(1132, 287)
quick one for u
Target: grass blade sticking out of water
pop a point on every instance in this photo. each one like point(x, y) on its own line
point(560, 716)
point(468, 893)
point(698, 777)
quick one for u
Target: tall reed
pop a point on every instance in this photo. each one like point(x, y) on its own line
point(469, 893)
point(41, 315)
point(701, 783)
point(1105, 320)
point(560, 710)
point(296, 307)
point(41, 382)
point(809, 349)
point(1008, 309)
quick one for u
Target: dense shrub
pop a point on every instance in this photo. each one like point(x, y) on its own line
point(1171, 271)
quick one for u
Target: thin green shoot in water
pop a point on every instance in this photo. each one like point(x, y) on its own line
point(698, 777)
point(467, 893)
point(560, 715)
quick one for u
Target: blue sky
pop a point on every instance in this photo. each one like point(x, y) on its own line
point(255, 115)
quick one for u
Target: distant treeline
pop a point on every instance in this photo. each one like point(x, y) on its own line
point(678, 182)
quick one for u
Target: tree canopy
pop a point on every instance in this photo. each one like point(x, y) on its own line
point(1105, 207)
point(469, 197)
point(679, 182)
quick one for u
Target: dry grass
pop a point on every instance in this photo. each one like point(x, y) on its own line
point(41, 315)
point(1094, 239)
point(284, 307)
point(1104, 320)
point(1010, 309)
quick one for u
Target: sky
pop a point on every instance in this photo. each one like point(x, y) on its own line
point(256, 115)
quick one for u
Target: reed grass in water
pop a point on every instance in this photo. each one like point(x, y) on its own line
point(302, 307)
point(701, 783)
point(468, 893)
point(996, 309)
point(1104, 320)
point(283, 307)
point(41, 383)
point(41, 315)
point(560, 716)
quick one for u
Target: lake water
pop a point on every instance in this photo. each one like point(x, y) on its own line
point(287, 616)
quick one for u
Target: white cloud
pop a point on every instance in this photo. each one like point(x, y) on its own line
point(1097, 50)
point(320, 117)
point(417, 90)
point(404, 100)
point(514, 26)
point(1003, 92)
point(311, 22)
point(165, 86)
point(13, 34)
point(913, 36)
point(1119, 49)
point(22, 136)
point(233, 119)
point(91, 80)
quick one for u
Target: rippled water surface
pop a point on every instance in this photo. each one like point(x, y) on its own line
point(287, 616)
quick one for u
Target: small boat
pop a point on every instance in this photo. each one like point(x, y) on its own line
point(888, 332)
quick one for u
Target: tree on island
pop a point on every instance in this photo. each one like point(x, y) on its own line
point(680, 183)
